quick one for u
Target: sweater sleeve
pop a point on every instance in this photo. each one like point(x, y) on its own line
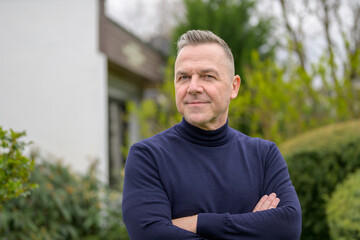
point(283, 222)
point(146, 208)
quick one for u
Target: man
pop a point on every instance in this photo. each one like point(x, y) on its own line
point(202, 179)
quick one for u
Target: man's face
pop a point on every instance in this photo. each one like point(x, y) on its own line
point(204, 85)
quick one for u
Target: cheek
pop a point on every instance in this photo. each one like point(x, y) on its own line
point(216, 93)
point(220, 95)
point(180, 92)
point(179, 96)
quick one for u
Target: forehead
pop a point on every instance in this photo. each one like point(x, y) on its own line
point(209, 54)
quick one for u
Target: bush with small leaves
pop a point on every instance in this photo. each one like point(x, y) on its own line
point(343, 210)
point(15, 168)
point(65, 206)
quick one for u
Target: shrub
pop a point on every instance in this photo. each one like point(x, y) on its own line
point(65, 206)
point(343, 210)
point(317, 161)
point(15, 168)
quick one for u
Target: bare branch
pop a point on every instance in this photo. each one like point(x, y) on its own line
point(330, 45)
point(356, 26)
point(297, 44)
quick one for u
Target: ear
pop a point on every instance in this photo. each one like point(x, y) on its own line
point(235, 85)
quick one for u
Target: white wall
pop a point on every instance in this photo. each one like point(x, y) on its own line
point(53, 78)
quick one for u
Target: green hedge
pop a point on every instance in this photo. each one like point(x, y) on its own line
point(64, 206)
point(343, 210)
point(318, 161)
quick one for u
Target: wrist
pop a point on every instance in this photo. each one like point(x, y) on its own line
point(187, 223)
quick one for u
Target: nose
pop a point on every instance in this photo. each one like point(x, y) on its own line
point(195, 86)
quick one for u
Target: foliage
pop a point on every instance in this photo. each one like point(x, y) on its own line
point(272, 106)
point(65, 206)
point(317, 161)
point(15, 168)
point(335, 69)
point(280, 102)
point(343, 210)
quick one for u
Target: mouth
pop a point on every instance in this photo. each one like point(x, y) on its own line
point(196, 103)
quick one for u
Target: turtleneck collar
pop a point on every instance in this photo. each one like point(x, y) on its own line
point(202, 137)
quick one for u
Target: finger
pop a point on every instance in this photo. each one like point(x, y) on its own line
point(260, 203)
point(266, 205)
point(274, 203)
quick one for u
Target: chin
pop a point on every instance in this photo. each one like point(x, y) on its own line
point(197, 120)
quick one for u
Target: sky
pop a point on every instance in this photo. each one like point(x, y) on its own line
point(145, 18)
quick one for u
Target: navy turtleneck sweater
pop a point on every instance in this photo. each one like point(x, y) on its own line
point(220, 175)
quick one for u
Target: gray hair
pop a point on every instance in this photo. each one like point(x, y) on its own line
point(196, 37)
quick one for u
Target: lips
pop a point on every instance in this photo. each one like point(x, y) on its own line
point(196, 102)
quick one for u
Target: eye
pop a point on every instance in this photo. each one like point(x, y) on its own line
point(208, 76)
point(184, 77)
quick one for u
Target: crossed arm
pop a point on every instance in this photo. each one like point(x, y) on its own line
point(190, 223)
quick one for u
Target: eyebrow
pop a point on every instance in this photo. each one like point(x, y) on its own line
point(181, 73)
point(209, 70)
point(203, 71)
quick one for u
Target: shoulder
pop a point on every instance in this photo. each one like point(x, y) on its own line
point(252, 141)
point(162, 139)
point(254, 146)
point(144, 154)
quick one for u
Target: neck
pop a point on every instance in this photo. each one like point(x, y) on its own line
point(204, 137)
point(208, 126)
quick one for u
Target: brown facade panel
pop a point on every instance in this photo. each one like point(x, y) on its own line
point(127, 51)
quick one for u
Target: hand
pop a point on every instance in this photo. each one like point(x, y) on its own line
point(186, 223)
point(267, 202)
point(190, 223)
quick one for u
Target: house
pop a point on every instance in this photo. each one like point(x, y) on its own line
point(66, 74)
